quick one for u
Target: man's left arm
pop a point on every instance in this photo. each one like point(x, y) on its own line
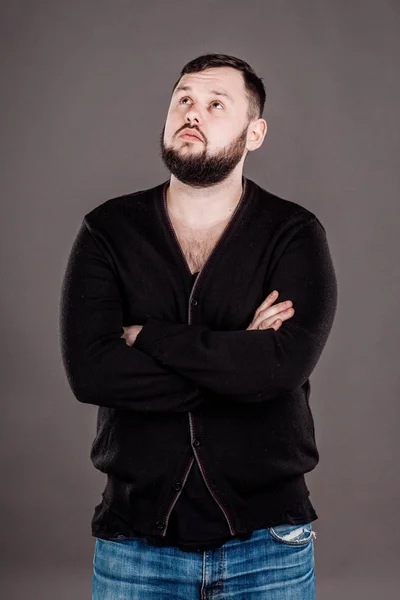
point(261, 364)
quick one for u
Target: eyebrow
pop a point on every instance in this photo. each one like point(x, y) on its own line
point(187, 88)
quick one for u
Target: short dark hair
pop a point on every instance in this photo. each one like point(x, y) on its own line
point(253, 84)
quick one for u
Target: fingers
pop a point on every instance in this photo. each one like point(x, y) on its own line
point(283, 310)
point(268, 323)
point(275, 325)
point(265, 322)
point(268, 316)
point(267, 302)
point(272, 310)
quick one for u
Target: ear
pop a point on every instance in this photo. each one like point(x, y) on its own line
point(256, 134)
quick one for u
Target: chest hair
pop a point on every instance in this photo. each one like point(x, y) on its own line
point(197, 245)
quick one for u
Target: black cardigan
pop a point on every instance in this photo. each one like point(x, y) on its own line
point(196, 385)
point(196, 522)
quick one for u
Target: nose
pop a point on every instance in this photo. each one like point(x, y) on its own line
point(192, 115)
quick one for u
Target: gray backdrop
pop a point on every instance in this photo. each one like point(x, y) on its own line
point(85, 91)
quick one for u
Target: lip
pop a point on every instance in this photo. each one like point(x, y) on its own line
point(189, 135)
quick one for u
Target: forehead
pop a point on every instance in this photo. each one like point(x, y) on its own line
point(222, 79)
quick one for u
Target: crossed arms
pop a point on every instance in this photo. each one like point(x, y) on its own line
point(171, 365)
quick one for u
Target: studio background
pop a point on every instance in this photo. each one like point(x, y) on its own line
point(85, 91)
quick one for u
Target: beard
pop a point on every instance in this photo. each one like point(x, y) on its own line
point(198, 169)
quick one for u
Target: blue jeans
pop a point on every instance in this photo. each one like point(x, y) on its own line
point(275, 563)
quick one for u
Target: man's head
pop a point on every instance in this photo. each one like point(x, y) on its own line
point(220, 99)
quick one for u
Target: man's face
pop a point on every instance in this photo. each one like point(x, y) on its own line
point(220, 121)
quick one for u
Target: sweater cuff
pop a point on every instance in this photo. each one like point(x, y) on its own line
point(153, 332)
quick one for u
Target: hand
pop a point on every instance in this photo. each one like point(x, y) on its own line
point(271, 317)
point(130, 333)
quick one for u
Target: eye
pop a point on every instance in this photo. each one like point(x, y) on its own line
point(214, 102)
point(217, 102)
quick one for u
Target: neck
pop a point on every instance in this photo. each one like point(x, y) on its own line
point(203, 207)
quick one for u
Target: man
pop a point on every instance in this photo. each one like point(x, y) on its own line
point(170, 324)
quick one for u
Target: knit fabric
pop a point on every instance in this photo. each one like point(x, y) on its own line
point(197, 389)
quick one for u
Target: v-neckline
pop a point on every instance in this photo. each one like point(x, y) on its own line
point(222, 237)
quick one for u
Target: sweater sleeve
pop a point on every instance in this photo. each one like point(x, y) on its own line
point(101, 368)
point(255, 365)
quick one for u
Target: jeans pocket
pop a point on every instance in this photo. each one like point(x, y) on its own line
point(292, 535)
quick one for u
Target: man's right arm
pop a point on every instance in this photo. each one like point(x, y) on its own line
point(101, 368)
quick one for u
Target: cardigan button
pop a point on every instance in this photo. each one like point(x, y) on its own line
point(196, 443)
point(160, 524)
point(194, 302)
point(177, 486)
